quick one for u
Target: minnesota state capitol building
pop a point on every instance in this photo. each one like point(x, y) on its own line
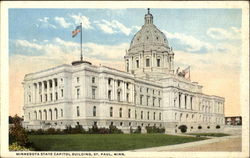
point(149, 93)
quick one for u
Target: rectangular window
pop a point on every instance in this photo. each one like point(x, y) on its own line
point(61, 112)
point(77, 93)
point(93, 93)
point(147, 100)
point(119, 96)
point(56, 96)
point(55, 82)
point(46, 97)
point(153, 101)
point(129, 111)
point(127, 97)
point(51, 97)
point(41, 98)
point(147, 63)
point(118, 83)
point(77, 111)
point(159, 102)
point(137, 63)
point(109, 81)
point(77, 79)
point(141, 114)
point(109, 94)
point(93, 79)
point(158, 62)
point(141, 100)
point(61, 92)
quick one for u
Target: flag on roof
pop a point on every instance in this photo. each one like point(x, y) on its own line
point(76, 31)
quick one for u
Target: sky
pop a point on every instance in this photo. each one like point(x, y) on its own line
point(207, 40)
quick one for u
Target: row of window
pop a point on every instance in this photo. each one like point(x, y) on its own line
point(158, 63)
point(111, 113)
point(43, 115)
point(45, 97)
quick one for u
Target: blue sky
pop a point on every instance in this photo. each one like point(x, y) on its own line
point(207, 40)
point(43, 25)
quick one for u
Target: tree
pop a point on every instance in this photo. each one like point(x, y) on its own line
point(17, 133)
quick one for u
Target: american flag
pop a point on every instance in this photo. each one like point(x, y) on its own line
point(76, 31)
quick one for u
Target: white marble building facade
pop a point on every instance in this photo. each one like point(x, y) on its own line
point(147, 93)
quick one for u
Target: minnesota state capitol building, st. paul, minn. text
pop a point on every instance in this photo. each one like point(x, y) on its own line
point(149, 93)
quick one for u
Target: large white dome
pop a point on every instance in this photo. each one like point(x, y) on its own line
point(149, 35)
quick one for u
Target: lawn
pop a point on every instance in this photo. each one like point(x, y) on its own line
point(210, 134)
point(105, 142)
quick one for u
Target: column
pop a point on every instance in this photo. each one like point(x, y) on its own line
point(42, 91)
point(183, 101)
point(132, 92)
point(188, 102)
point(115, 89)
point(48, 95)
point(53, 90)
point(125, 91)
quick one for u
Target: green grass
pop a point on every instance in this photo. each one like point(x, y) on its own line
point(210, 134)
point(105, 142)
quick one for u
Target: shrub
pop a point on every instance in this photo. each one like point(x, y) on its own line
point(154, 129)
point(16, 147)
point(114, 130)
point(18, 134)
point(138, 130)
point(51, 131)
point(218, 126)
point(183, 128)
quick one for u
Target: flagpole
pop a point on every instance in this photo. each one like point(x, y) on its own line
point(81, 40)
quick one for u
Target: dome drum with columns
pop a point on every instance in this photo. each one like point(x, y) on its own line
point(149, 53)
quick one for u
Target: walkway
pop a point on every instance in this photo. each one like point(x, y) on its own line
point(229, 143)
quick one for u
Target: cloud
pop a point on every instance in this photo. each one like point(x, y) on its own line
point(219, 34)
point(115, 26)
point(59, 47)
point(79, 18)
point(61, 21)
point(193, 44)
point(44, 23)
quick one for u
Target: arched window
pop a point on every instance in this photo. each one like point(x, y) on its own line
point(120, 112)
point(129, 113)
point(50, 114)
point(127, 66)
point(158, 62)
point(94, 111)
point(147, 62)
point(111, 112)
point(35, 115)
point(61, 112)
point(40, 114)
point(56, 113)
point(45, 114)
point(137, 63)
point(77, 111)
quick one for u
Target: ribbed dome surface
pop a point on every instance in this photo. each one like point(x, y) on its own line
point(149, 34)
